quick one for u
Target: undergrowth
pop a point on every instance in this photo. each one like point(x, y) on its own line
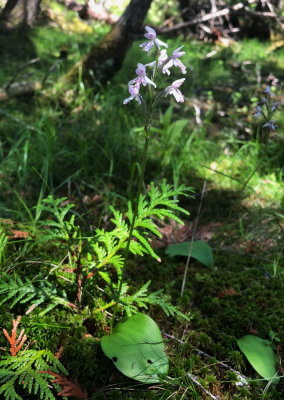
point(64, 158)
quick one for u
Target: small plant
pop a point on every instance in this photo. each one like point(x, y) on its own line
point(26, 371)
point(266, 108)
point(139, 327)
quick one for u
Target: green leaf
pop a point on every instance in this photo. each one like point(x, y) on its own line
point(260, 355)
point(200, 250)
point(137, 349)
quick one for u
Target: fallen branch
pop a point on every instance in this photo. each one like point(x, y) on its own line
point(238, 8)
point(19, 89)
point(204, 18)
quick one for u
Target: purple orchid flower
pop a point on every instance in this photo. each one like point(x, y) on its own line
point(174, 61)
point(134, 94)
point(270, 125)
point(141, 77)
point(152, 40)
point(163, 57)
point(174, 90)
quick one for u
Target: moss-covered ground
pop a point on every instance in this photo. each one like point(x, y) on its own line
point(83, 145)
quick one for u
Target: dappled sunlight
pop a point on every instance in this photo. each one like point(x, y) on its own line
point(141, 200)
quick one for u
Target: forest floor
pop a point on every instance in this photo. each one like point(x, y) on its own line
point(81, 146)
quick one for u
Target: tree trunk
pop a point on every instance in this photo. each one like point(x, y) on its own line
point(19, 14)
point(106, 58)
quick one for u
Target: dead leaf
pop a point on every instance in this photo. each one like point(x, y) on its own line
point(18, 234)
point(69, 388)
point(227, 293)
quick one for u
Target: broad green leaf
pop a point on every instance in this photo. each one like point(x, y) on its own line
point(200, 250)
point(260, 355)
point(136, 348)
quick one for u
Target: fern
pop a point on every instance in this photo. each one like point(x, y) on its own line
point(61, 228)
point(16, 290)
point(159, 203)
point(26, 372)
point(162, 300)
point(141, 299)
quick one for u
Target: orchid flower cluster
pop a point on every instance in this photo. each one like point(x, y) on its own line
point(266, 108)
point(163, 63)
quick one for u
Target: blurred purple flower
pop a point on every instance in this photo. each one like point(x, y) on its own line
point(267, 90)
point(275, 106)
point(152, 40)
point(174, 61)
point(163, 57)
point(134, 92)
point(141, 77)
point(258, 112)
point(174, 90)
point(271, 125)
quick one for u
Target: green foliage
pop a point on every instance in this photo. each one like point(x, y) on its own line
point(142, 299)
point(61, 228)
point(137, 349)
point(28, 372)
point(198, 249)
point(159, 203)
point(40, 143)
point(261, 356)
point(16, 290)
point(3, 246)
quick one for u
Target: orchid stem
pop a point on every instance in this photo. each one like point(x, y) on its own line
point(135, 213)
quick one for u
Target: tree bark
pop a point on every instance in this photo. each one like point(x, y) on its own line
point(106, 58)
point(19, 14)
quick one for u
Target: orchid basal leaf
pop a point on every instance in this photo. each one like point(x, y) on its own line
point(260, 355)
point(136, 348)
point(200, 251)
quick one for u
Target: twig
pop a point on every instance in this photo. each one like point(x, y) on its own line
point(18, 121)
point(204, 390)
point(20, 68)
point(192, 239)
point(227, 176)
point(242, 380)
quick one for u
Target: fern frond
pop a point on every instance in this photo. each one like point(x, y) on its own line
point(160, 202)
point(145, 246)
point(16, 343)
point(141, 299)
point(25, 371)
point(16, 290)
point(162, 300)
point(68, 388)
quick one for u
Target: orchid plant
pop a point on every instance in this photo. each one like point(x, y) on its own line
point(135, 345)
point(266, 108)
point(163, 64)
